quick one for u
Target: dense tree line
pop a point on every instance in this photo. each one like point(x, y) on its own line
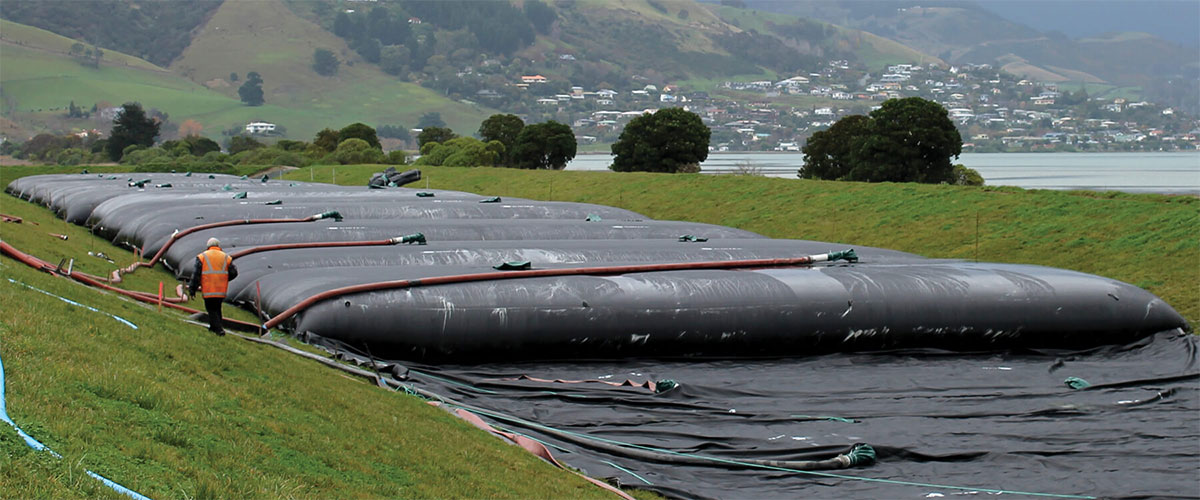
point(155, 31)
point(506, 142)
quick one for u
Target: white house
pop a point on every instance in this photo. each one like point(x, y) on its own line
point(260, 128)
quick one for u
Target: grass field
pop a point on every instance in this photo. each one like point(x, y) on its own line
point(172, 411)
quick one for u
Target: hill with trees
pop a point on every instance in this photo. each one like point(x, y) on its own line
point(969, 33)
point(155, 31)
point(326, 63)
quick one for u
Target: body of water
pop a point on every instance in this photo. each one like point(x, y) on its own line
point(1168, 173)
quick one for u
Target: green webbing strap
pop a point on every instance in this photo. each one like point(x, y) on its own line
point(522, 265)
point(861, 454)
point(211, 176)
point(163, 185)
point(494, 199)
point(188, 174)
point(141, 183)
point(424, 194)
point(275, 202)
point(1077, 383)
point(240, 196)
point(374, 186)
point(688, 237)
point(847, 255)
point(592, 218)
point(332, 214)
point(264, 179)
point(417, 238)
point(226, 187)
point(84, 171)
point(664, 385)
point(244, 177)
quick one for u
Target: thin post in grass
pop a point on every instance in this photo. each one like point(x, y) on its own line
point(976, 236)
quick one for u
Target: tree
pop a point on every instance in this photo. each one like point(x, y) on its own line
point(393, 59)
point(671, 140)
point(827, 153)
point(905, 140)
point(912, 140)
point(503, 128)
point(326, 140)
point(544, 146)
point(324, 62)
point(540, 15)
point(359, 131)
point(190, 127)
point(460, 152)
point(342, 25)
point(434, 134)
point(430, 119)
point(239, 143)
point(130, 127)
point(354, 150)
point(201, 146)
point(394, 132)
point(251, 92)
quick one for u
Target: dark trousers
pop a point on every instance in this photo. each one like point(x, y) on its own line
point(213, 306)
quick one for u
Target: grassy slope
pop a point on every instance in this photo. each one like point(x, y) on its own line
point(279, 45)
point(38, 75)
point(174, 412)
point(875, 52)
point(46, 40)
point(1147, 240)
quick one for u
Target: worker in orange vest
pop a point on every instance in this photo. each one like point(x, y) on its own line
point(211, 274)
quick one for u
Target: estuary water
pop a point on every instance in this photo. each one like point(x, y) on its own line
point(1165, 173)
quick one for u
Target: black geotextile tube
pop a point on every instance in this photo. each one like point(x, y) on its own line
point(886, 300)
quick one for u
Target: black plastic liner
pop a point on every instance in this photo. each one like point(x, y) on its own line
point(980, 422)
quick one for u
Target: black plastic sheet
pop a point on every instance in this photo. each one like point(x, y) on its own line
point(979, 422)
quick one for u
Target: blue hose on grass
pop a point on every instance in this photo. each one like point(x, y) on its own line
point(37, 445)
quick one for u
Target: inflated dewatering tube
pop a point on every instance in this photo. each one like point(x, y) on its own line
point(446, 300)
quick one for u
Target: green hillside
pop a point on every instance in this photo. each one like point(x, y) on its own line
point(831, 42)
point(39, 80)
point(266, 37)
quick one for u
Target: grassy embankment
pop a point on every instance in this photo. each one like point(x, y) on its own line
point(1150, 241)
point(172, 411)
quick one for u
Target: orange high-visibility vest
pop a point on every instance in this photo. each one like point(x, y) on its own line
point(214, 272)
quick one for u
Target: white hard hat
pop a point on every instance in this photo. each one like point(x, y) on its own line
point(213, 242)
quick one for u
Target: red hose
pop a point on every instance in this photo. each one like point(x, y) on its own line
point(315, 244)
point(89, 280)
point(538, 273)
point(238, 222)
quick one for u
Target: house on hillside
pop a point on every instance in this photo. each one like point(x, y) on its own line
point(260, 128)
point(533, 79)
